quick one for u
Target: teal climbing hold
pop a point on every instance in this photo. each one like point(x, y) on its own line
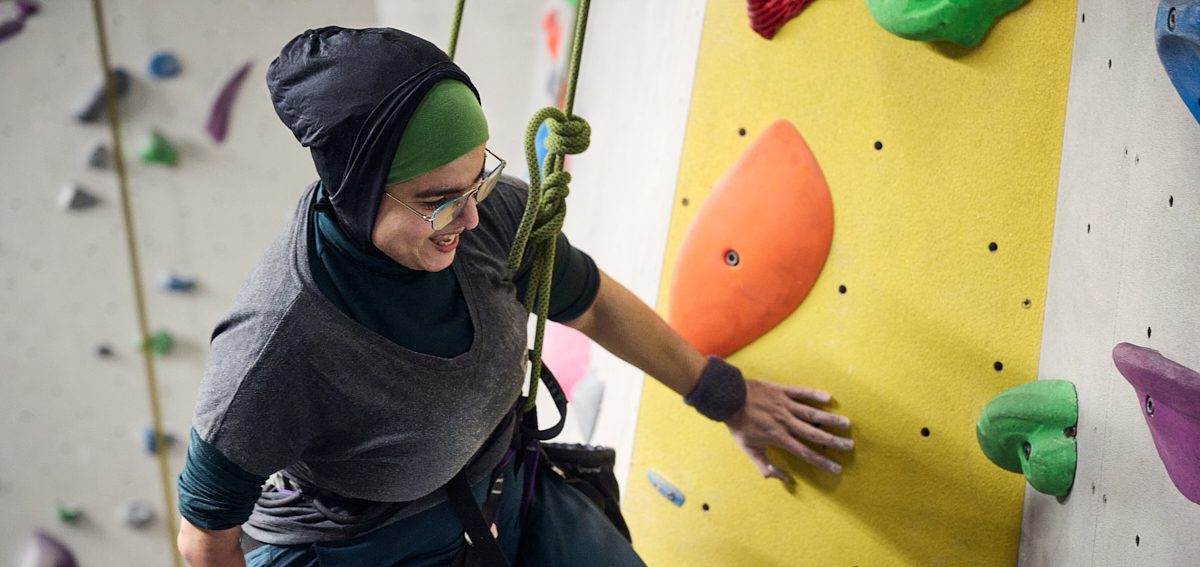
point(1030, 429)
point(157, 150)
point(665, 488)
point(1177, 37)
point(964, 22)
point(159, 343)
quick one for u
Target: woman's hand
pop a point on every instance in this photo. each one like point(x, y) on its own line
point(776, 415)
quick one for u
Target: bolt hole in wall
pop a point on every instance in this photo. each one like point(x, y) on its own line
point(999, 366)
point(993, 247)
point(878, 145)
point(924, 432)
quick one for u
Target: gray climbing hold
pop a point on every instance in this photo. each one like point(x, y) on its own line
point(44, 550)
point(586, 398)
point(93, 111)
point(73, 197)
point(137, 514)
point(99, 157)
point(104, 351)
point(170, 281)
point(163, 65)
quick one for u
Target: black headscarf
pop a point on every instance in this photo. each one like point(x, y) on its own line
point(347, 95)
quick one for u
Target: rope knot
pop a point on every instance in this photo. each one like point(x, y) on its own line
point(567, 134)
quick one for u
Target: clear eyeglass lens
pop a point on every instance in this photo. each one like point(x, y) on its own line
point(489, 183)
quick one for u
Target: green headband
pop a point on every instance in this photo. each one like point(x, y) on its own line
point(446, 125)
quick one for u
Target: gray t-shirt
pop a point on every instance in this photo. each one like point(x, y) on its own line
point(295, 385)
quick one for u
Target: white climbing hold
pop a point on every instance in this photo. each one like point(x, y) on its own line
point(137, 514)
point(73, 197)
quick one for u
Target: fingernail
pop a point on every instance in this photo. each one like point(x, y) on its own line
point(847, 445)
point(835, 468)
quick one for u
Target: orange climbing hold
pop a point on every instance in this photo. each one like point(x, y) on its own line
point(756, 246)
point(767, 16)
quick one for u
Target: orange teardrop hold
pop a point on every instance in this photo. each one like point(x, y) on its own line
point(755, 247)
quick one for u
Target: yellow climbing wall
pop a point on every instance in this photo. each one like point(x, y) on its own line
point(969, 143)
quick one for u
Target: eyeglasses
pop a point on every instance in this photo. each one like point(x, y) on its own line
point(447, 212)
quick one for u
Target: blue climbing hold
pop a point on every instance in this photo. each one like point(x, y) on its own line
point(539, 146)
point(1177, 35)
point(170, 281)
point(665, 488)
point(163, 65)
point(151, 439)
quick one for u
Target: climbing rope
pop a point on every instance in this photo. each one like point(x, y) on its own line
point(135, 271)
point(546, 207)
point(458, 11)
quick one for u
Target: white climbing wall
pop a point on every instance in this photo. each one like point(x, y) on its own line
point(74, 422)
point(1125, 267)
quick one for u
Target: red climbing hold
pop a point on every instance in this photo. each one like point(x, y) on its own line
point(756, 246)
point(767, 16)
point(552, 33)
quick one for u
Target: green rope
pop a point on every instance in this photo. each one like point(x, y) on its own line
point(458, 12)
point(546, 207)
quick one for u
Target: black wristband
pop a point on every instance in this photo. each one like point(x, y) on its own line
point(721, 391)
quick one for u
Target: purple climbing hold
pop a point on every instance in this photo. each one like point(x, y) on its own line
point(218, 117)
point(13, 26)
point(93, 111)
point(26, 8)
point(163, 65)
point(43, 550)
point(1169, 395)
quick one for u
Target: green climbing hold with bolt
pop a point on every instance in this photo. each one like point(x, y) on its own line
point(964, 22)
point(1030, 429)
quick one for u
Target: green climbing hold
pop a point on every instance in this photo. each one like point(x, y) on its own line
point(159, 343)
point(69, 514)
point(1030, 429)
point(964, 22)
point(156, 149)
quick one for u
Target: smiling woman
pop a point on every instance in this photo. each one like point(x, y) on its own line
point(391, 315)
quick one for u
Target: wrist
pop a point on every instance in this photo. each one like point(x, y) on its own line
point(721, 391)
